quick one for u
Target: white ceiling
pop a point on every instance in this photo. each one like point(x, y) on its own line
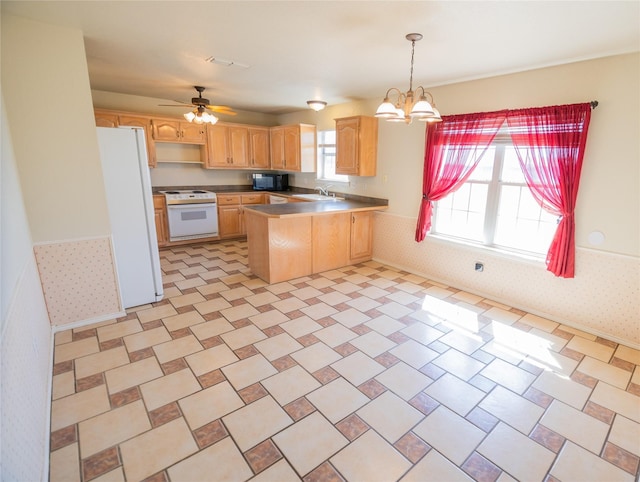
point(336, 51)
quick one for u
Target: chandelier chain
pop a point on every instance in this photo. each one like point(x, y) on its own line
point(413, 48)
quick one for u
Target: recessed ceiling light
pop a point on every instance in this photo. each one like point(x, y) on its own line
point(226, 62)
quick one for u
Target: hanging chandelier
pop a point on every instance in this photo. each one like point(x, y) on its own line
point(411, 104)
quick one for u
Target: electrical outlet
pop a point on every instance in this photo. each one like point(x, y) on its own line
point(479, 267)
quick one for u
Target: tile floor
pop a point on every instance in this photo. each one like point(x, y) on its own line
point(365, 373)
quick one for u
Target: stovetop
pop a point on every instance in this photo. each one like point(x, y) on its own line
point(189, 197)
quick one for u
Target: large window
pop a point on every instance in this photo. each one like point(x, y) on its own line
point(494, 207)
point(327, 157)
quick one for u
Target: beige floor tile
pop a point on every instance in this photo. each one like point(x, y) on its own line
point(278, 346)
point(300, 326)
point(394, 310)
point(333, 298)
point(110, 428)
point(422, 333)
point(262, 299)
point(362, 303)
point(190, 283)
point(268, 319)
point(146, 339)
point(157, 313)
point(211, 359)
point(346, 287)
point(591, 348)
point(211, 288)
point(211, 328)
point(375, 414)
point(101, 362)
point(210, 404)
point(172, 278)
point(563, 388)
point(221, 460)
point(76, 349)
point(576, 463)
point(189, 299)
point(357, 368)
point(118, 330)
point(467, 297)
point(404, 381)
point(435, 467)
point(168, 443)
point(279, 288)
point(315, 357)
point(455, 394)
point(337, 399)
point(319, 310)
point(136, 373)
point(236, 313)
point(512, 409)
point(193, 269)
point(279, 472)
point(180, 347)
point(459, 364)
point(307, 443)
point(63, 384)
point(244, 336)
point(246, 372)
point(499, 315)
point(372, 343)
point(256, 422)
point(508, 376)
point(183, 320)
point(64, 465)
point(450, 434)
point(625, 433)
point(78, 407)
point(414, 354)
point(603, 371)
point(635, 378)
point(335, 335)
point(236, 293)
point(115, 475)
point(370, 458)
point(463, 341)
point(320, 283)
point(63, 337)
point(169, 388)
point(520, 456)
point(373, 292)
point(289, 304)
point(439, 292)
point(210, 306)
point(575, 425)
point(555, 362)
point(385, 325)
point(306, 293)
point(290, 384)
point(170, 293)
point(575, 331)
point(403, 298)
point(628, 354)
point(539, 322)
point(617, 400)
point(504, 351)
point(351, 317)
point(543, 341)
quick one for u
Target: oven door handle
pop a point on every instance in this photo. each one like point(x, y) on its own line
point(191, 205)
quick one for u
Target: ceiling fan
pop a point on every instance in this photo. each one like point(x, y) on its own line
point(201, 106)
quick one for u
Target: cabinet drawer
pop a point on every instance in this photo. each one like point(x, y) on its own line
point(253, 199)
point(226, 199)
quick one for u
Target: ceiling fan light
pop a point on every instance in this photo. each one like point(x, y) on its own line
point(317, 105)
point(386, 109)
point(422, 108)
point(190, 116)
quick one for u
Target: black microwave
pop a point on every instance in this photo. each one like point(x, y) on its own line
point(270, 182)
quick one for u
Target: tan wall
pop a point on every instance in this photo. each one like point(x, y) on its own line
point(48, 102)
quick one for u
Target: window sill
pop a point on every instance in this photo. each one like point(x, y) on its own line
point(531, 258)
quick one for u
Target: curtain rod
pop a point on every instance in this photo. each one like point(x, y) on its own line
point(594, 104)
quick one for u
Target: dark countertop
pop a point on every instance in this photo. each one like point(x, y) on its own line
point(313, 207)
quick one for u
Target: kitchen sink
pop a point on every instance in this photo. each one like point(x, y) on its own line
point(318, 197)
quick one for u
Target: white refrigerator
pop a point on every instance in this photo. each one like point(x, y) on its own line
point(123, 154)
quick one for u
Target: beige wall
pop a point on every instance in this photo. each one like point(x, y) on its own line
point(48, 102)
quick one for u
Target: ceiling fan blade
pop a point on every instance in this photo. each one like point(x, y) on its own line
point(221, 109)
point(174, 105)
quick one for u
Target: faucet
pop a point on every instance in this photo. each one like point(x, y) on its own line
point(324, 190)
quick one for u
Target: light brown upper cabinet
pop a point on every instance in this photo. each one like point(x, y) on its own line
point(118, 119)
point(356, 145)
point(228, 146)
point(293, 148)
point(170, 130)
point(259, 156)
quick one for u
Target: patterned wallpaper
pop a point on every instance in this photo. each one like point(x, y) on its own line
point(78, 279)
point(603, 298)
point(26, 376)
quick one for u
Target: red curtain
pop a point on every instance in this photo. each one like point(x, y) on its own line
point(550, 144)
point(453, 149)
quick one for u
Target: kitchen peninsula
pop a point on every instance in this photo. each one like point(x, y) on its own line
point(287, 241)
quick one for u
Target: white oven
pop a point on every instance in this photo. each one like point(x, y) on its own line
point(192, 214)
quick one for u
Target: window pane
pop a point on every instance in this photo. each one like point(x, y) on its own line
point(484, 169)
point(511, 171)
point(462, 213)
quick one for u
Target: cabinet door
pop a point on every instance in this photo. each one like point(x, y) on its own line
point(239, 146)
point(361, 245)
point(217, 146)
point(166, 130)
point(230, 221)
point(259, 148)
point(277, 148)
point(160, 214)
point(145, 123)
point(292, 148)
point(330, 234)
point(347, 146)
point(105, 119)
point(192, 133)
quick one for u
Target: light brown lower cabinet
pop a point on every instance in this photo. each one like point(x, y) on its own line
point(289, 247)
point(231, 222)
point(161, 220)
